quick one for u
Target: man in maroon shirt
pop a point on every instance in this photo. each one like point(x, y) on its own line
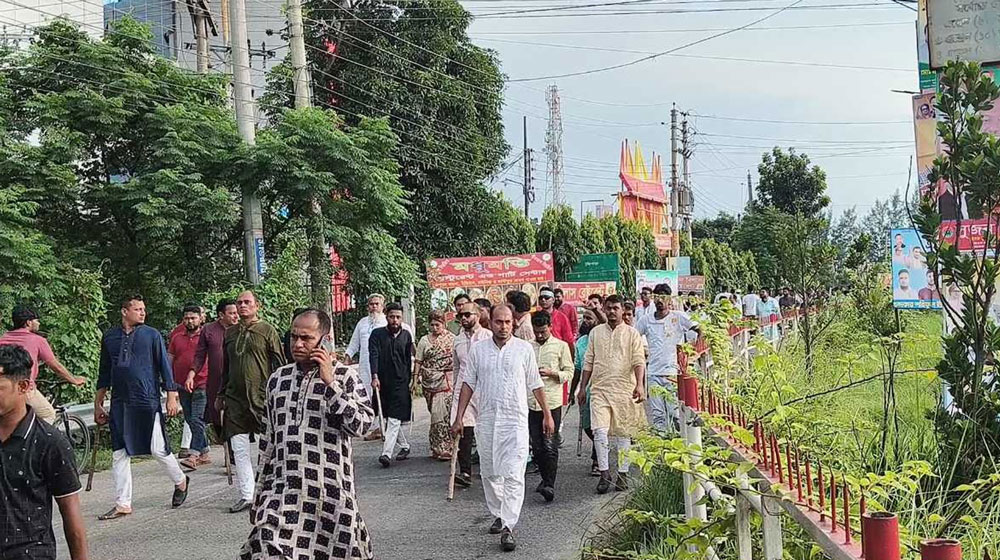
point(210, 350)
point(25, 334)
point(192, 382)
point(560, 323)
point(566, 309)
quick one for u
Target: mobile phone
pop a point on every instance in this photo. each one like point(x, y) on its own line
point(326, 344)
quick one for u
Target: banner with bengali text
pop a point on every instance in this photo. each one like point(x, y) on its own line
point(488, 277)
point(576, 293)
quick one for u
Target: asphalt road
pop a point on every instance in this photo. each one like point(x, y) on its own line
point(404, 507)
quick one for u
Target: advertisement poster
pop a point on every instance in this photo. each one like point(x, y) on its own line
point(970, 237)
point(650, 278)
point(576, 293)
point(912, 281)
point(925, 134)
point(688, 284)
point(488, 277)
point(596, 267)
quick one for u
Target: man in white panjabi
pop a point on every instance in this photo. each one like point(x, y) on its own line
point(499, 374)
point(359, 347)
point(472, 333)
point(615, 368)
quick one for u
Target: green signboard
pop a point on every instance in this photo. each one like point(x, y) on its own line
point(599, 267)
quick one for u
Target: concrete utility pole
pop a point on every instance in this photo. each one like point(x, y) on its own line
point(201, 21)
point(674, 186)
point(253, 224)
point(749, 188)
point(529, 191)
point(688, 193)
point(319, 254)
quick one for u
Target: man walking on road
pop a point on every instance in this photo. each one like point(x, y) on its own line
point(252, 352)
point(560, 327)
point(664, 329)
point(471, 334)
point(555, 366)
point(614, 368)
point(37, 465)
point(191, 384)
point(25, 334)
point(500, 373)
point(134, 366)
point(520, 303)
point(359, 347)
point(390, 350)
point(646, 297)
point(211, 350)
point(306, 505)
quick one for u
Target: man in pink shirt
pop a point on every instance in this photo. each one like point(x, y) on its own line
point(181, 353)
point(25, 334)
point(566, 309)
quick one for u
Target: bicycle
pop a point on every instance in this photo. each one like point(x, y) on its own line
point(76, 431)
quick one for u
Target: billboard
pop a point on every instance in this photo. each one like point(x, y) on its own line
point(650, 278)
point(962, 31)
point(912, 283)
point(576, 293)
point(925, 135)
point(488, 277)
point(596, 267)
point(688, 284)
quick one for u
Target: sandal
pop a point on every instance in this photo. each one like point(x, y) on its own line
point(114, 513)
point(190, 464)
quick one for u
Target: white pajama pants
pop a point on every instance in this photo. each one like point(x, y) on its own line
point(602, 448)
point(186, 437)
point(662, 410)
point(503, 452)
point(244, 467)
point(394, 435)
point(121, 467)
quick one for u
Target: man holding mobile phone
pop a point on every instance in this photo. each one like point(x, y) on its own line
point(305, 504)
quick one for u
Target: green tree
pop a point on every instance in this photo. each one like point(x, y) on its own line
point(758, 234)
point(789, 184)
point(137, 178)
point(722, 267)
point(442, 95)
point(969, 165)
point(719, 228)
point(632, 240)
point(883, 216)
point(592, 234)
point(558, 232)
point(310, 155)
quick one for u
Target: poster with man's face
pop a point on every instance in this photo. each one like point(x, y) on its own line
point(912, 282)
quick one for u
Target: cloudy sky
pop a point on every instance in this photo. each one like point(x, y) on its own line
point(816, 76)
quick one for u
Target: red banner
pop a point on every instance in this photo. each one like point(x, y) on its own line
point(970, 236)
point(691, 284)
point(488, 277)
point(576, 293)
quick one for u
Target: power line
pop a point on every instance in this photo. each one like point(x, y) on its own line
point(689, 30)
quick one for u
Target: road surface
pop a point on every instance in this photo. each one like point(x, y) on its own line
point(404, 507)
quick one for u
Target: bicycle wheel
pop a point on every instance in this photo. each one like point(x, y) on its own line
point(79, 438)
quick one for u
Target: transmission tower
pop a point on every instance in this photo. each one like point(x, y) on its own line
point(553, 145)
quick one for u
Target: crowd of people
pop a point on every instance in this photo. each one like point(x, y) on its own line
point(497, 381)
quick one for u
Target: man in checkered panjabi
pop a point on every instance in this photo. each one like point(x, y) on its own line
point(305, 504)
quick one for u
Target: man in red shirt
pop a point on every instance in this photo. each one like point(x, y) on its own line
point(561, 328)
point(181, 351)
point(25, 334)
point(566, 309)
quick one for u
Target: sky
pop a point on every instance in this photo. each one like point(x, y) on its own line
point(839, 65)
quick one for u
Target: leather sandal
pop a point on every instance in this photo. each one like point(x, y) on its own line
point(114, 513)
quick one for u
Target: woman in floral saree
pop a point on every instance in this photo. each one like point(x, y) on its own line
point(434, 373)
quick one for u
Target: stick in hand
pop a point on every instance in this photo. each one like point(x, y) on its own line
point(225, 448)
point(381, 419)
point(93, 458)
point(454, 467)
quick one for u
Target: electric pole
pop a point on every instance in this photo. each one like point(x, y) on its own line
point(688, 194)
point(749, 188)
point(529, 191)
point(253, 224)
point(674, 187)
point(201, 22)
point(319, 255)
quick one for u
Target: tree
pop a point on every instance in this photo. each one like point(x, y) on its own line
point(790, 185)
point(309, 155)
point(883, 216)
point(807, 261)
point(723, 268)
point(849, 242)
point(719, 228)
point(969, 164)
point(442, 96)
point(137, 177)
point(558, 232)
point(632, 240)
point(758, 234)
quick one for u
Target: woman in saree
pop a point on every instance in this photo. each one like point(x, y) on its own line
point(434, 373)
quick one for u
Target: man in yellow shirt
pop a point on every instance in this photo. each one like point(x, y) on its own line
point(555, 366)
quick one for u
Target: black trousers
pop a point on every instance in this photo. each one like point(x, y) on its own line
point(544, 451)
point(465, 450)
